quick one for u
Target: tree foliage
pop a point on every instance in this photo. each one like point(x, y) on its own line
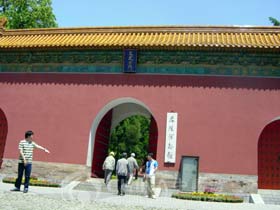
point(28, 13)
point(131, 135)
point(274, 21)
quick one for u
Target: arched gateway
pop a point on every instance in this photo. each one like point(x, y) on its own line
point(269, 157)
point(221, 81)
point(108, 118)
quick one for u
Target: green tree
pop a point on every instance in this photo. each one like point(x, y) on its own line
point(4, 4)
point(28, 13)
point(274, 21)
point(131, 135)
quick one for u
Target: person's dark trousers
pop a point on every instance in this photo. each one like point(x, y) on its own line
point(27, 172)
point(121, 184)
point(136, 174)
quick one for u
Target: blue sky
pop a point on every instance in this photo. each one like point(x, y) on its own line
point(78, 13)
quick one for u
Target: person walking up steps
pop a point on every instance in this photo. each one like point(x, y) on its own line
point(122, 172)
point(133, 166)
point(109, 167)
point(26, 147)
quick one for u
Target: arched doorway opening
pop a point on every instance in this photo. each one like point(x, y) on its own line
point(269, 157)
point(131, 136)
point(3, 134)
point(110, 116)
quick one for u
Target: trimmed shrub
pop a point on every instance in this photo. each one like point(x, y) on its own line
point(202, 196)
point(33, 182)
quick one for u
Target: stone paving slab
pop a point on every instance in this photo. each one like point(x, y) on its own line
point(66, 198)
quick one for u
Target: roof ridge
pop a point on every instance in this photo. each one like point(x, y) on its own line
point(145, 29)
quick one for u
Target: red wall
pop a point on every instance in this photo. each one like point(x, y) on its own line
point(219, 118)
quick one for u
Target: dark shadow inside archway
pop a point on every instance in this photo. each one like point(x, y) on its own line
point(269, 157)
point(109, 121)
point(3, 134)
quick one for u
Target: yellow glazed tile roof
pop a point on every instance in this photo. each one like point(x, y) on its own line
point(155, 37)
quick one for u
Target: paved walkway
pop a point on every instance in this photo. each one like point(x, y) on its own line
point(66, 198)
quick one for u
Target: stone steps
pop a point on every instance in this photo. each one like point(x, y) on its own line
point(270, 196)
point(137, 187)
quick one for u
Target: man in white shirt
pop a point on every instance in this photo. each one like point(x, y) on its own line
point(109, 167)
point(151, 168)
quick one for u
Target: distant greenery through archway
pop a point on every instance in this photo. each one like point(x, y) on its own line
point(131, 135)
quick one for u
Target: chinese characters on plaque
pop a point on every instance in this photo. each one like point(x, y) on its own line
point(171, 137)
point(129, 60)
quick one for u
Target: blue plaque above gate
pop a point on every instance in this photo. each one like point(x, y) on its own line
point(129, 60)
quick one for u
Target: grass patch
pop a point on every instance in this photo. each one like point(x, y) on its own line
point(32, 182)
point(202, 196)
